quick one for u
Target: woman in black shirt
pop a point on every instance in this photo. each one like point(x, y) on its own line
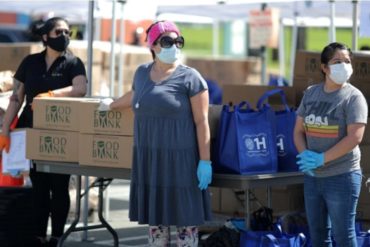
point(54, 72)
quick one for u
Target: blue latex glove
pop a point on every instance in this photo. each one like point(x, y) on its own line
point(309, 160)
point(204, 173)
point(14, 172)
point(303, 153)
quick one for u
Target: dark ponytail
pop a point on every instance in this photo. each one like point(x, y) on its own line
point(40, 28)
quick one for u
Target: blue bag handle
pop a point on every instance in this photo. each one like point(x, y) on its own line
point(299, 240)
point(272, 240)
point(244, 103)
point(270, 93)
point(229, 107)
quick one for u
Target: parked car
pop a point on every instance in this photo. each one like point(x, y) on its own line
point(13, 33)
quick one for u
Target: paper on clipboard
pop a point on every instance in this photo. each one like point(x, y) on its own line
point(16, 158)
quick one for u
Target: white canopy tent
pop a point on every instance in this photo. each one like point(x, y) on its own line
point(329, 14)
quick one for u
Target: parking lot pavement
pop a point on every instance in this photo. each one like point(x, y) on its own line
point(129, 233)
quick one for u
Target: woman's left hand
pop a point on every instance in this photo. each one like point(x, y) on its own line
point(309, 160)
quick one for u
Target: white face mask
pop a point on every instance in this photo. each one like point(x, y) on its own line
point(340, 72)
point(169, 55)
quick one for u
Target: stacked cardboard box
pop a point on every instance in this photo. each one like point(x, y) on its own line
point(73, 130)
point(12, 54)
point(105, 138)
point(251, 93)
point(225, 71)
point(55, 133)
point(307, 71)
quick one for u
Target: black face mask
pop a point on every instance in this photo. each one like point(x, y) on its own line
point(59, 43)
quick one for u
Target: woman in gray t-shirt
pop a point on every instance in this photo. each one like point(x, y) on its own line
point(330, 124)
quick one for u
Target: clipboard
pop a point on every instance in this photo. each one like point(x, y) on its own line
point(16, 158)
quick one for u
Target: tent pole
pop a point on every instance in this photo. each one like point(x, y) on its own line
point(112, 50)
point(281, 49)
point(121, 55)
point(355, 25)
point(332, 35)
point(294, 45)
point(215, 32)
point(90, 40)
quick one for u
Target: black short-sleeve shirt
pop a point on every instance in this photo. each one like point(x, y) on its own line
point(36, 79)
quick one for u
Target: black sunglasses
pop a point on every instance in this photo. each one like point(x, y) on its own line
point(66, 32)
point(167, 42)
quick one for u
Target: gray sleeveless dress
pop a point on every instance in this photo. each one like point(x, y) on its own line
point(164, 185)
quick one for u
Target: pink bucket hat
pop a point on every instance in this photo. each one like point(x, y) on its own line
point(158, 28)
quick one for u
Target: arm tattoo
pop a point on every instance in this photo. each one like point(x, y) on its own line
point(16, 85)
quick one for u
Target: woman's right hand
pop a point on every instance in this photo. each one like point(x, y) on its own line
point(104, 104)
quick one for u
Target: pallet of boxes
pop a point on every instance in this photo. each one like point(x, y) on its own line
point(307, 71)
point(73, 130)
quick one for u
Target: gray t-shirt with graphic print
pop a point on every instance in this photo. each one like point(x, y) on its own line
point(326, 117)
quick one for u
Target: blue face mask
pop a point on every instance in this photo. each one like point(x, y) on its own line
point(169, 55)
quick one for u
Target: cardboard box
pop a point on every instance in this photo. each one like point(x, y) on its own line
point(215, 199)
point(364, 87)
point(365, 191)
point(363, 205)
point(362, 211)
point(56, 113)
point(283, 199)
point(105, 150)
point(307, 69)
point(12, 54)
point(361, 68)
point(214, 113)
point(308, 64)
point(365, 158)
point(251, 93)
point(300, 84)
point(52, 145)
point(224, 70)
point(366, 137)
point(92, 121)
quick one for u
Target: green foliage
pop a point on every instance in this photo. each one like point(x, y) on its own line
point(199, 38)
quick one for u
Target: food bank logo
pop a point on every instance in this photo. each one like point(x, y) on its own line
point(312, 65)
point(107, 119)
point(53, 145)
point(105, 150)
point(256, 145)
point(58, 114)
point(280, 142)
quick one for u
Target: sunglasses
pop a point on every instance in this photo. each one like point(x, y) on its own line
point(167, 42)
point(65, 32)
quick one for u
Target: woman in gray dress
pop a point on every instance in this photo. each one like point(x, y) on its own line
point(171, 166)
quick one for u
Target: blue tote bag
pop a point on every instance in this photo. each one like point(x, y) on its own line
point(246, 140)
point(285, 122)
